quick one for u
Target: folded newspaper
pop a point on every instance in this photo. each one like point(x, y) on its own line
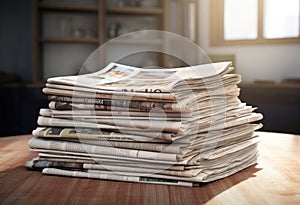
point(179, 126)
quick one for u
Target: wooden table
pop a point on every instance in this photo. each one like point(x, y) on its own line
point(274, 180)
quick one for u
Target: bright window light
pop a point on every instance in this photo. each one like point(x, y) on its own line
point(281, 18)
point(240, 19)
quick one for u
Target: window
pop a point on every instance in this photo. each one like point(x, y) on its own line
point(240, 19)
point(254, 21)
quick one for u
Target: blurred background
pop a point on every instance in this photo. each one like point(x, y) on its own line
point(44, 38)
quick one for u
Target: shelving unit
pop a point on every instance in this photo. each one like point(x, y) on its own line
point(48, 43)
point(102, 11)
point(46, 36)
point(134, 18)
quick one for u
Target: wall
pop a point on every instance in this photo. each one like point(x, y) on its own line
point(254, 62)
point(16, 38)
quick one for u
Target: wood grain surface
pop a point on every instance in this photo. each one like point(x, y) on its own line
point(274, 180)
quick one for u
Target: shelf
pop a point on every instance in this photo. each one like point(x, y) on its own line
point(23, 85)
point(68, 7)
point(69, 40)
point(134, 10)
point(47, 18)
point(271, 85)
point(34, 85)
point(137, 41)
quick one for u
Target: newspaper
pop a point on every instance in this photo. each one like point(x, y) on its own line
point(187, 171)
point(188, 90)
point(181, 146)
point(161, 97)
point(198, 176)
point(177, 126)
point(123, 78)
point(101, 150)
point(86, 159)
point(130, 105)
point(163, 155)
point(62, 102)
point(95, 134)
point(68, 113)
point(188, 163)
point(229, 111)
point(111, 176)
point(201, 176)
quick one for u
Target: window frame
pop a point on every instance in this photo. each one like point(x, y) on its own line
point(217, 28)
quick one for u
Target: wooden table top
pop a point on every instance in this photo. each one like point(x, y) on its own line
point(274, 180)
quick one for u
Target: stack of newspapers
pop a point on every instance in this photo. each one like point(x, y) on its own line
point(178, 126)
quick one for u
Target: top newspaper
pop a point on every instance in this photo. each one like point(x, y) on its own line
point(122, 78)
